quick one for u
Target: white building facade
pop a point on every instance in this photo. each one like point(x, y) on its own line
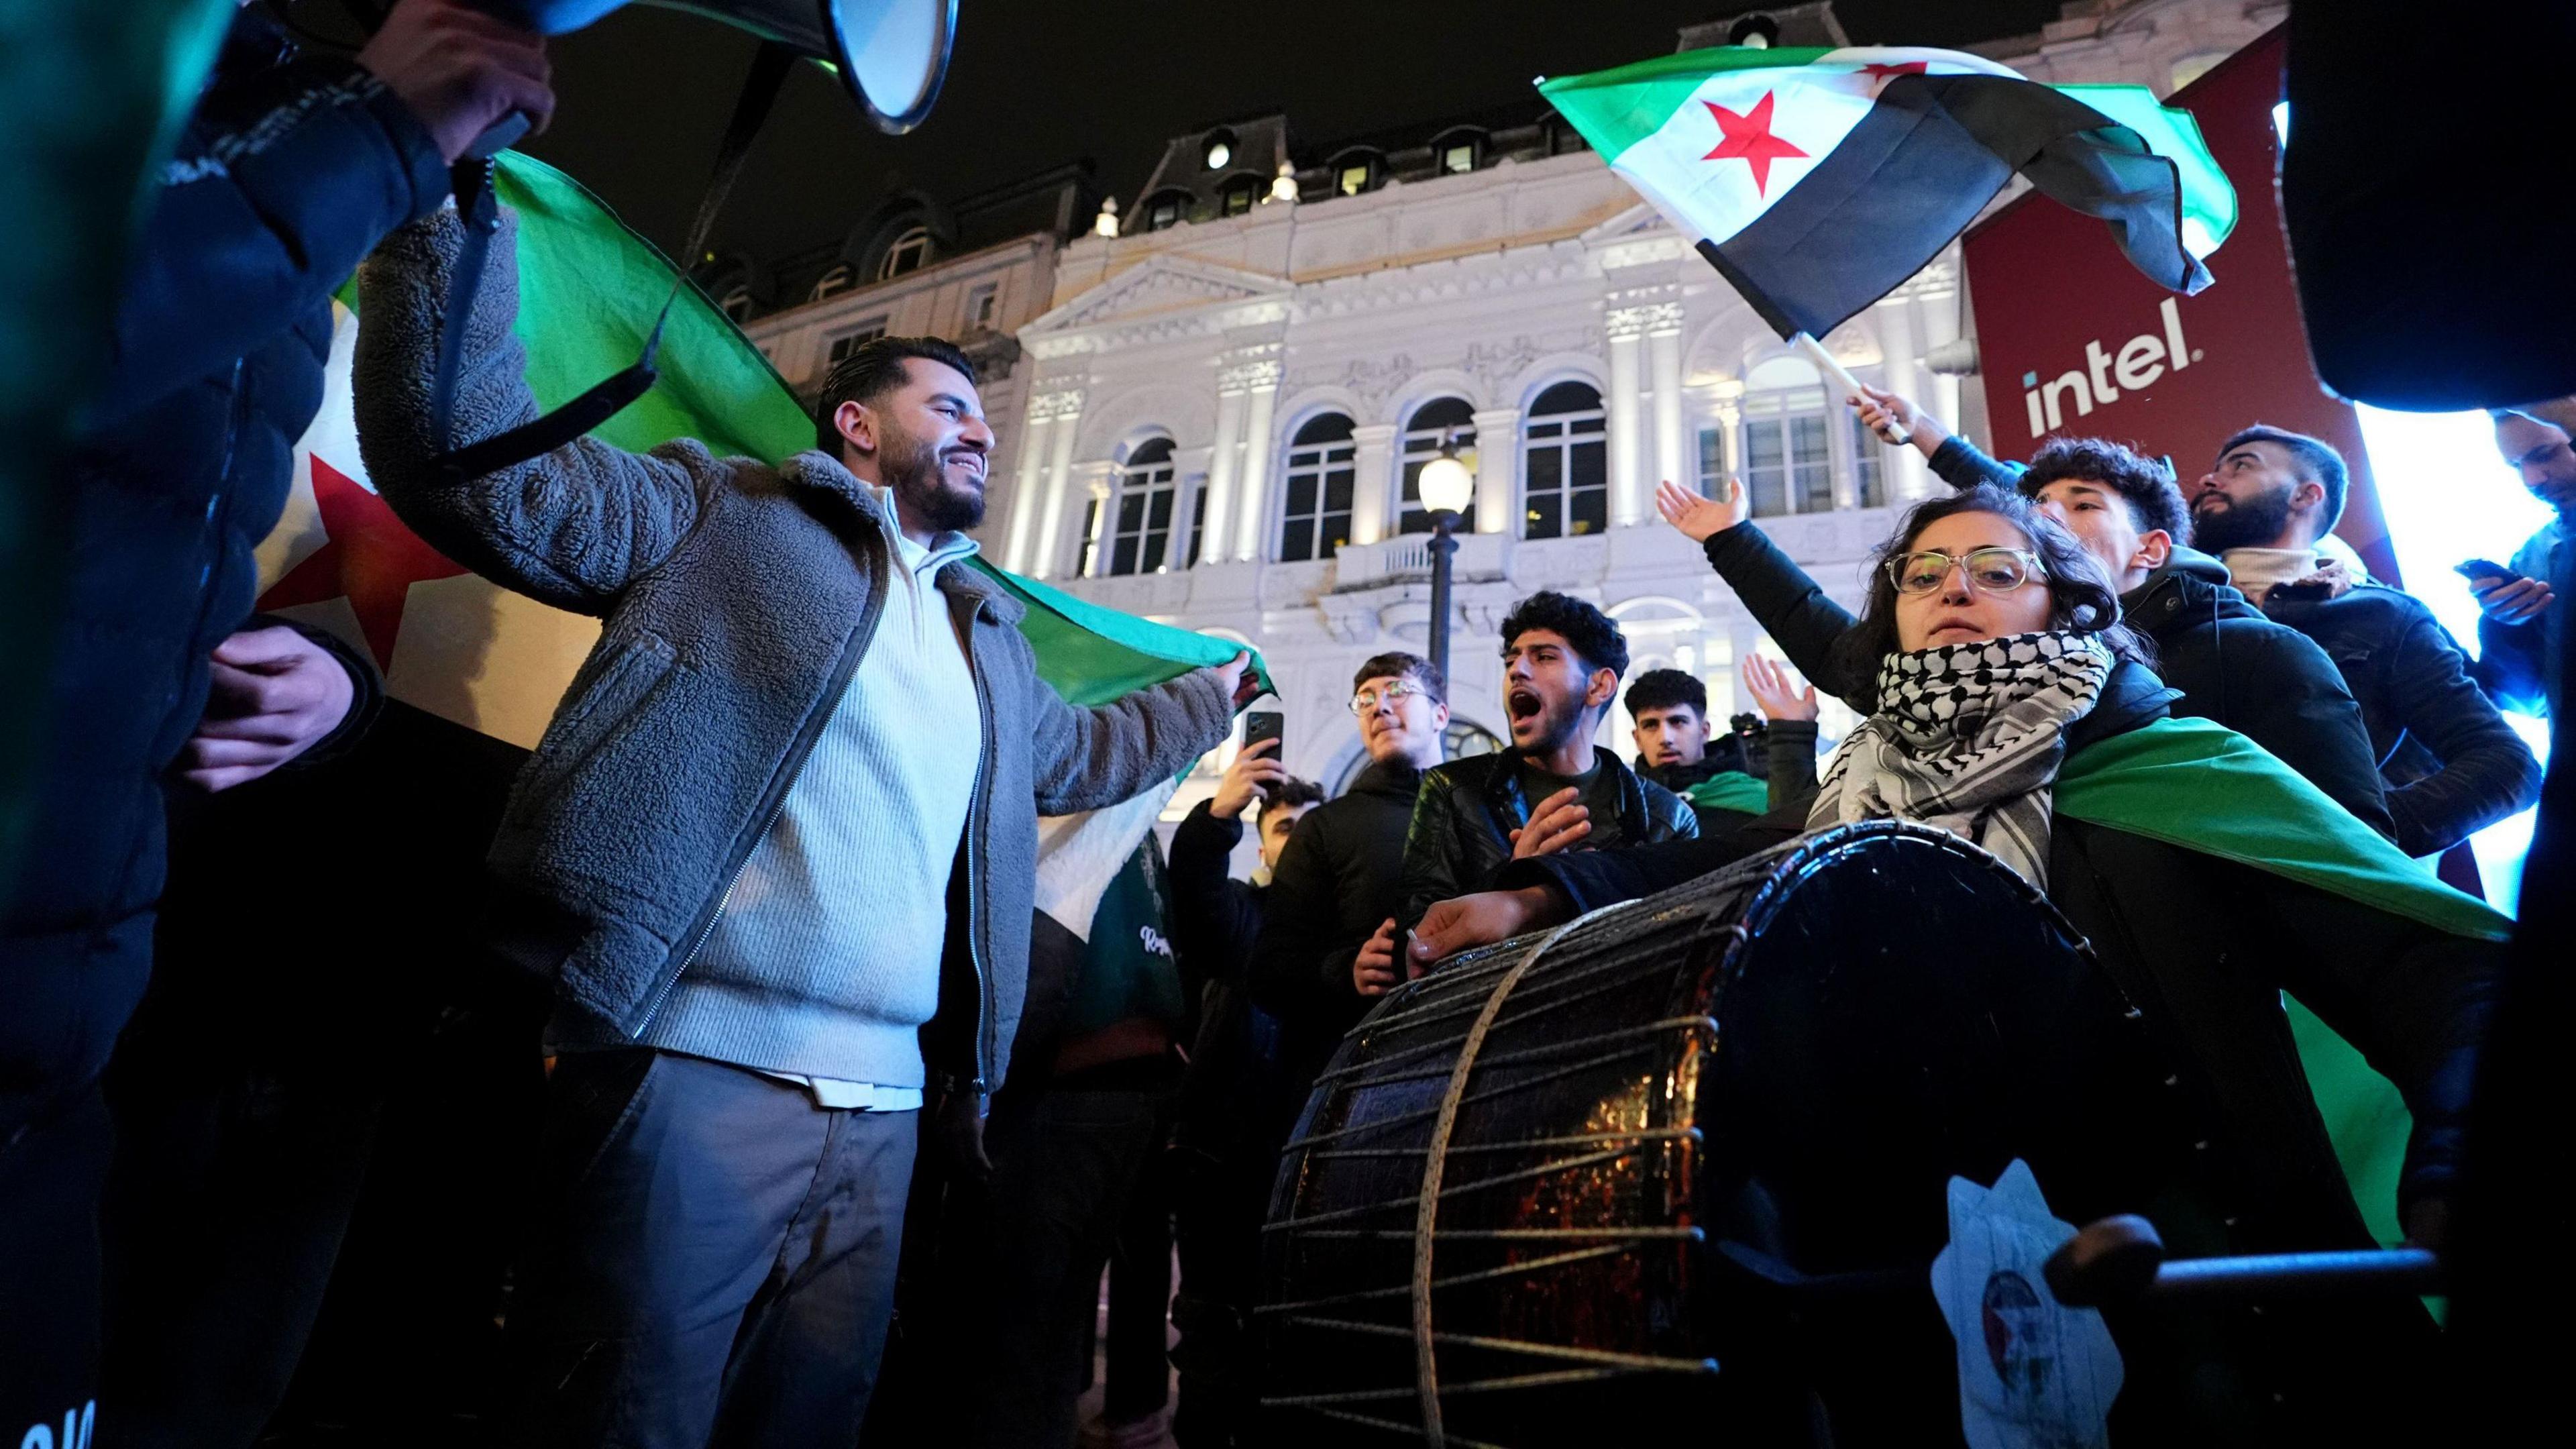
point(1210, 413)
point(1224, 415)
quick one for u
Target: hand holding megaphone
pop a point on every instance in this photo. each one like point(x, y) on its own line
point(467, 76)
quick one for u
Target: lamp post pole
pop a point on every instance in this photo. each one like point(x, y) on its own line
point(1444, 547)
point(1446, 486)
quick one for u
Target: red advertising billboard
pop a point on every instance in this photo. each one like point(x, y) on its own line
point(2072, 339)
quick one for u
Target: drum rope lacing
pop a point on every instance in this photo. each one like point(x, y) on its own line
point(1426, 1216)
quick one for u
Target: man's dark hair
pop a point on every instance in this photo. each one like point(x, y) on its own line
point(1590, 631)
point(2313, 459)
point(1396, 664)
point(873, 369)
point(2143, 483)
point(1293, 791)
point(1665, 688)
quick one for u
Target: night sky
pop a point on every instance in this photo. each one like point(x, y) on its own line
point(1034, 83)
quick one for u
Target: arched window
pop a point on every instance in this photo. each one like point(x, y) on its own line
point(909, 252)
point(1565, 464)
point(1315, 511)
point(1141, 531)
point(736, 303)
point(1788, 465)
point(832, 283)
point(1450, 418)
point(1240, 196)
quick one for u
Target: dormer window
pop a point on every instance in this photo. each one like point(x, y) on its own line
point(910, 252)
point(1458, 157)
point(1239, 198)
point(1166, 209)
point(1355, 172)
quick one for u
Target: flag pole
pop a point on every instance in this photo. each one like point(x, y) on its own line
point(1842, 378)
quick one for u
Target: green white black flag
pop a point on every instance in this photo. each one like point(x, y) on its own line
point(1818, 180)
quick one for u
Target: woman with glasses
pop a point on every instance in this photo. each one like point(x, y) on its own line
point(2016, 710)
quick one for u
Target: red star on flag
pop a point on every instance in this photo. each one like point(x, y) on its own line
point(1883, 71)
point(371, 559)
point(1749, 137)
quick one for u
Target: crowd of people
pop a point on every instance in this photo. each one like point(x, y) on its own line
point(827, 1132)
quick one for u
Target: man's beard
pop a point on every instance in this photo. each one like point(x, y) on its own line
point(912, 469)
point(1558, 724)
point(2254, 523)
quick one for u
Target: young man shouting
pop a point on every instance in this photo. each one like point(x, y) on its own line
point(1553, 789)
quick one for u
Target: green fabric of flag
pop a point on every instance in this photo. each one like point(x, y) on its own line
point(589, 290)
point(2204, 787)
point(1815, 181)
point(1731, 790)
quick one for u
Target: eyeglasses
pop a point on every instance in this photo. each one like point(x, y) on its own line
point(1369, 699)
point(1990, 570)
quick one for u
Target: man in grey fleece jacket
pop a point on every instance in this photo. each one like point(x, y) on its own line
point(782, 884)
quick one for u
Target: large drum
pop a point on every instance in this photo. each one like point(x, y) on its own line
point(1683, 1162)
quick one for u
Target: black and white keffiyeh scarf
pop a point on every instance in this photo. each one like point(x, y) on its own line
point(1968, 737)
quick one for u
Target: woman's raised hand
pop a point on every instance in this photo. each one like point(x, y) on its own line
point(1769, 685)
point(1700, 519)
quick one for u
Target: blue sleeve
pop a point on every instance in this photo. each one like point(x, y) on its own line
point(261, 220)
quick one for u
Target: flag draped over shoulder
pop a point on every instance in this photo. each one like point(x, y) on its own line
point(1818, 180)
point(2204, 787)
point(498, 662)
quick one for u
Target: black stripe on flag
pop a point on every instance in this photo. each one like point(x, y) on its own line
point(1915, 172)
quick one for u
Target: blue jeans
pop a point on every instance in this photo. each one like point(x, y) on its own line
point(713, 1261)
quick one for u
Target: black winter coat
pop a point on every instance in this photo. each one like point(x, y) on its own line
point(1216, 921)
point(2452, 764)
point(290, 171)
point(2204, 947)
point(1337, 881)
point(1464, 817)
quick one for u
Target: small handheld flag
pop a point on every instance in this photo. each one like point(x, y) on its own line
point(1815, 181)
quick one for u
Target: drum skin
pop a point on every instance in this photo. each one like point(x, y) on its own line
point(1695, 1169)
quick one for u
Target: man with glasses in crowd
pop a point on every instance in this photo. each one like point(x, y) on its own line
point(1327, 945)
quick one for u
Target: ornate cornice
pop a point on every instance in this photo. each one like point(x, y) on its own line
point(1665, 317)
point(1064, 403)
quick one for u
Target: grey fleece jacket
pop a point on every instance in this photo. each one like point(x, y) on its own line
point(738, 599)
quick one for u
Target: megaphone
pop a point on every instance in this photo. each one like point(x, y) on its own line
point(890, 54)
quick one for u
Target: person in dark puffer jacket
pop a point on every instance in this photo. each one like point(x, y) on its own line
point(289, 171)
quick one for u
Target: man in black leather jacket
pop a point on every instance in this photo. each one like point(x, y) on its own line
point(1553, 789)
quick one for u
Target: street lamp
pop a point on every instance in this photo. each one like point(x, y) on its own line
point(1446, 487)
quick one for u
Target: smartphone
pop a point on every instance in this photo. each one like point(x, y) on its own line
point(2478, 569)
point(1263, 724)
